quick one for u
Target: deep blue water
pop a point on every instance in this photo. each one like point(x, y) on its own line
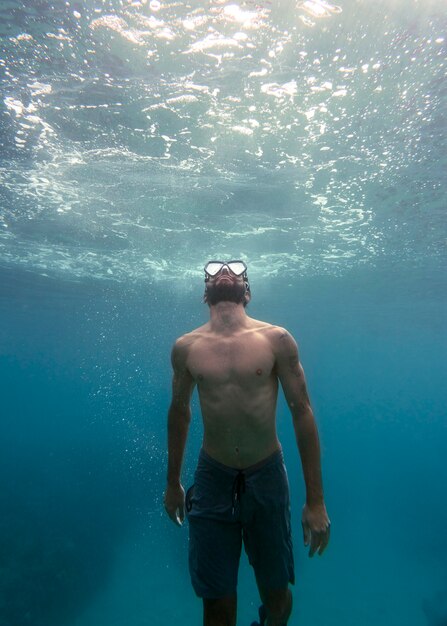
point(86, 383)
point(138, 140)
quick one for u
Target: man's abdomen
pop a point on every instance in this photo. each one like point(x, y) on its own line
point(237, 444)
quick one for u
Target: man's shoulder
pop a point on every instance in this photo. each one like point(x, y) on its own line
point(182, 346)
point(280, 339)
point(272, 330)
point(185, 341)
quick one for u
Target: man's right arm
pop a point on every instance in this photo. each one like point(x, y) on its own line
point(179, 418)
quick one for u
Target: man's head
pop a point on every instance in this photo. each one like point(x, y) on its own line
point(226, 281)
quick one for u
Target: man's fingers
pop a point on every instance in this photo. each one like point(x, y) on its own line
point(177, 515)
point(306, 533)
point(324, 540)
point(314, 543)
point(181, 513)
point(178, 519)
point(319, 541)
point(316, 528)
point(174, 515)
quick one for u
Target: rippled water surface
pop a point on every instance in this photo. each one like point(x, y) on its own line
point(138, 138)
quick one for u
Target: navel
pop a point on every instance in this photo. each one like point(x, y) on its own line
point(259, 371)
point(200, 377)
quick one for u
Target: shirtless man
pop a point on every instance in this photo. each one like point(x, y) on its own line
point(240, 492)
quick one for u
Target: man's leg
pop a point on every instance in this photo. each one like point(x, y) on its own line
point(268, 539)
point(278, 605)
point(220, 611)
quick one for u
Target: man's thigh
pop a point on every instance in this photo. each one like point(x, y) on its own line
point(214, 554)
point(267, 531)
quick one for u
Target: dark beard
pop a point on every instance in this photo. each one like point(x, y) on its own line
point(225, 293)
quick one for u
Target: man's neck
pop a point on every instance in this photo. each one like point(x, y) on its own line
point(227, 317)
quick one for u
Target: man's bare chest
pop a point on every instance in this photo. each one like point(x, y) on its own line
point(224, 360)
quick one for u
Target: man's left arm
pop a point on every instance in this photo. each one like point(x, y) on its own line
point(315, 521)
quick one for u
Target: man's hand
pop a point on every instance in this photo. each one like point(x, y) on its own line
point(316, 528)
point(174, 501)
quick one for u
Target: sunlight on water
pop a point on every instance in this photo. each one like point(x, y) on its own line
point(139, 138)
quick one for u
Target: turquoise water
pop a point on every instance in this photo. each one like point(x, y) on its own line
point(138, 139)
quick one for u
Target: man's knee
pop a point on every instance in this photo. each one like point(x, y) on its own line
point(220, 611)
point(278, 605)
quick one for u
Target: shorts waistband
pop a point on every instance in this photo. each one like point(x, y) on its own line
point(275, 457)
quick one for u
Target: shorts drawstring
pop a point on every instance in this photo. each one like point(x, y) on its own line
point(238, 488)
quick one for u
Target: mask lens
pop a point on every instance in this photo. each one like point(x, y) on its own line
point(237, 267)
point(213, 267)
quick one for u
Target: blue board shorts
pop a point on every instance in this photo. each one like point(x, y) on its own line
point(225, 507)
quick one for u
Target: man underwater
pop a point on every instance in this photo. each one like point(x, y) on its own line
point(241, 492)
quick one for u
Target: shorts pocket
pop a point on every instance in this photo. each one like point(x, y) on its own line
point(189, 499)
